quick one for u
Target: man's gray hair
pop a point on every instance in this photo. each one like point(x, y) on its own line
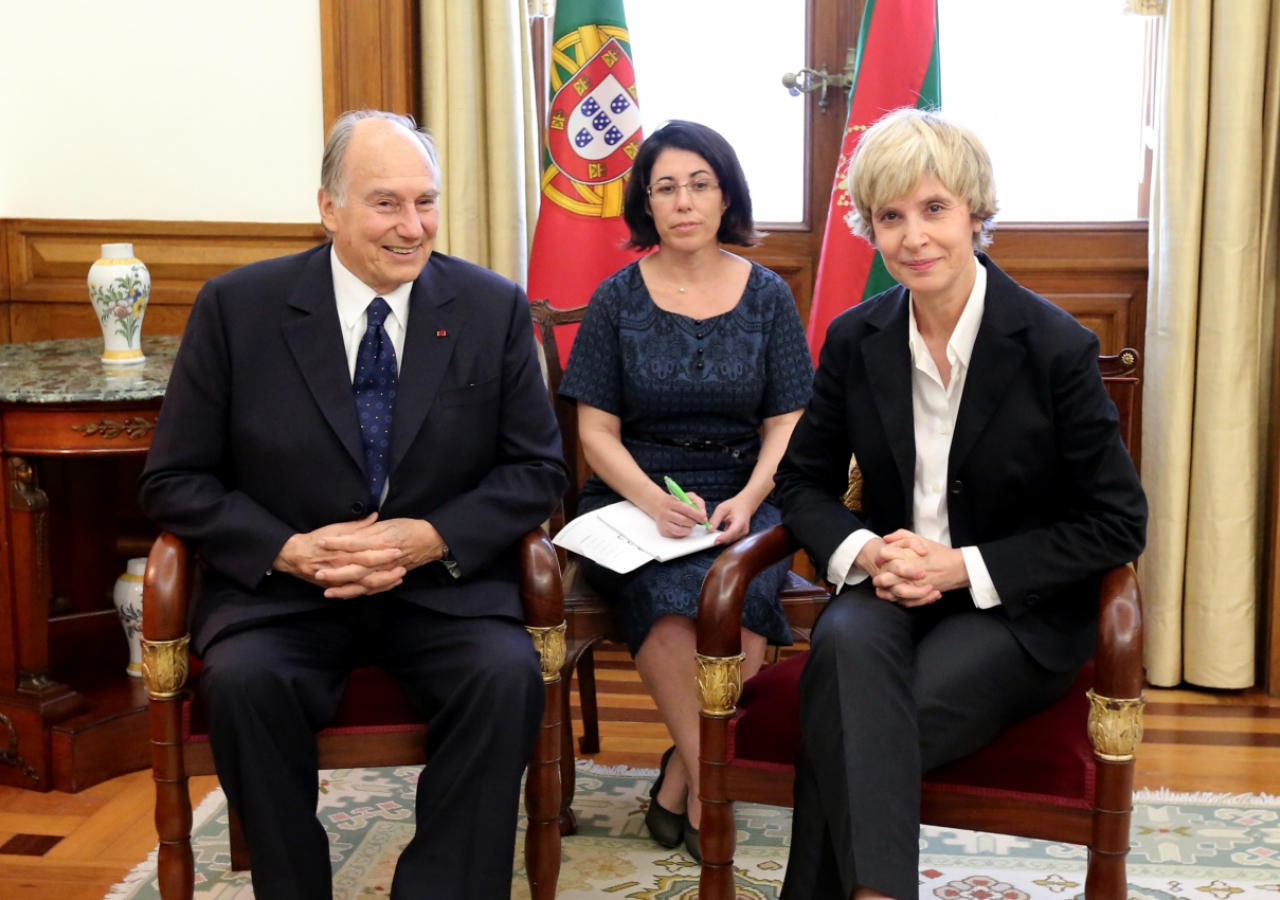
point(332, 178)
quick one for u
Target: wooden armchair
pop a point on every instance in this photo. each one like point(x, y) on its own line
point(589, 617)
point(1065, 774)
point(375, 724)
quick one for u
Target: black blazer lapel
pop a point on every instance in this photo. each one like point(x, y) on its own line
point(887, 356)
point(315, 340)
point(996, 357)
point(434, 325)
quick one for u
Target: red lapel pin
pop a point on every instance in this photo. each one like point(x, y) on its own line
point(441, 333)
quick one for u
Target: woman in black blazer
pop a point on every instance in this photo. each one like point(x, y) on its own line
point(996, 492)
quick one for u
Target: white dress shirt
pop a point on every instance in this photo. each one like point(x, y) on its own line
point(354, 297)
point(934, 409)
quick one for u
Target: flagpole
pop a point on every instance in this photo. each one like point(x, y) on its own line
point(896, 65)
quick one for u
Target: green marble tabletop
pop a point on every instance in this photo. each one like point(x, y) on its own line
point(71, 371)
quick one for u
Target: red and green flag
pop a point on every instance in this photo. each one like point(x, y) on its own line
point(593, 134)
point(897, 65)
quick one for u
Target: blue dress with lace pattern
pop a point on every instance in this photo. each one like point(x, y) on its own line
point(707, 383)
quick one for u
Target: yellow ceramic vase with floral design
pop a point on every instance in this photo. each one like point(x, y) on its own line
point(119, 286)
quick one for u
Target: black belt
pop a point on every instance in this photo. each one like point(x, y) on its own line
point(706, 445)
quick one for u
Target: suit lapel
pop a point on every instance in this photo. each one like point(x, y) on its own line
point(887, 356)
point(996, 357)
point(315, 340)
point(434, 325)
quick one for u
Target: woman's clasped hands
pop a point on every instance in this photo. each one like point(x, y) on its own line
point(910, 570)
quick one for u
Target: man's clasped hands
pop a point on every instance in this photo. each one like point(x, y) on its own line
point(355, 559)
point(368, 556)
point(910, 570)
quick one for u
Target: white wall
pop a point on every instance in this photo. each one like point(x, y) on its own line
point(160, 109)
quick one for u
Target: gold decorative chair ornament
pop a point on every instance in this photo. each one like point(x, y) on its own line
point(719, 684)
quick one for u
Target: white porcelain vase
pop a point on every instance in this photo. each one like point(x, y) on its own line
point(119, 286)
point(128, 600)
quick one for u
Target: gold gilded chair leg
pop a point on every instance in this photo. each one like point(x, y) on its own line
point(1115, 730)
point(719, 687)
point(164, 669)
point(542, 784)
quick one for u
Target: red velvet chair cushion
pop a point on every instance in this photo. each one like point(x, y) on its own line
point(373, 702)
point(1046, 757)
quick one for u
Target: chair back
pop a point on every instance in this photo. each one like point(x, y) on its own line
point(545, 320)
point(1120, 375)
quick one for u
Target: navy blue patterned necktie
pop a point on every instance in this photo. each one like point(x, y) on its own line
point(375, 390)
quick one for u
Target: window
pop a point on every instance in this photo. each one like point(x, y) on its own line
point(722, 64)
point(1055, 91)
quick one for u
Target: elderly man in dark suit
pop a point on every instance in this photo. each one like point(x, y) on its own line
point(996, 491)
point(354, 439)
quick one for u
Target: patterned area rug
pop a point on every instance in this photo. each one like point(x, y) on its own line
point(1185, 847)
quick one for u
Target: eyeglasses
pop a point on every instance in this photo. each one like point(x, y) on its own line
point(665, 191)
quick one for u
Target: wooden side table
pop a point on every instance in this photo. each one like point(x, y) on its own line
point(58, 400)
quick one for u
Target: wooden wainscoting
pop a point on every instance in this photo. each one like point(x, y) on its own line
point(4, 261)
point(1095, 271)
point(788, 254)
point(44, 268)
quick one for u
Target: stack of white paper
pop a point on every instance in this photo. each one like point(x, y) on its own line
point(623, 538)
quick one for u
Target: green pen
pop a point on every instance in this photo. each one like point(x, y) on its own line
point(675, 491)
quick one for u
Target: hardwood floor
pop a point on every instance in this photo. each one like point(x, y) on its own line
point(100, 835)
point(59, 846)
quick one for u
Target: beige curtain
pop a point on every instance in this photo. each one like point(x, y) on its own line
point(479, 104)
point(1209, 339)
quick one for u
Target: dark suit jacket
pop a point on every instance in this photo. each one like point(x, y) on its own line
point(258, 438)
point(1038, 478)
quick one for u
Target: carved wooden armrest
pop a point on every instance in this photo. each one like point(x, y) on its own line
point(165, 642)
point(720, 615)
point(1116, 701)
point(542, 596)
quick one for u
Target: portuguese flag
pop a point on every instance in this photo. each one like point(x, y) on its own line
point(897, 65)
point(593, 134)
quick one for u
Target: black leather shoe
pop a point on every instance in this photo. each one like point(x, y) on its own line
point(691, 843)
point(666, 827)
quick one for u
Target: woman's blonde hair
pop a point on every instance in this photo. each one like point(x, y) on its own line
point(904, 147)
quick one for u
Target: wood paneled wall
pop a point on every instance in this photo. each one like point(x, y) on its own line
point(1098, 272)
point(4, 281)
point(44, 264)
point(4, 261)
point(371, 56)
point(1095, 271)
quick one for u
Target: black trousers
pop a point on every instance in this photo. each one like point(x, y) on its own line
point(887, 694)
point(270, 688)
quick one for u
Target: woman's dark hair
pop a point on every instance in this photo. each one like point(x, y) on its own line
point(736, 226)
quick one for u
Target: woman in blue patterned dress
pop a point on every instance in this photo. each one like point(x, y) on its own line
point(690, 363)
